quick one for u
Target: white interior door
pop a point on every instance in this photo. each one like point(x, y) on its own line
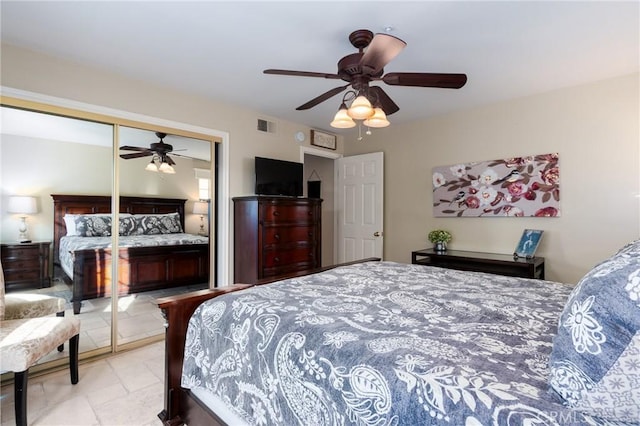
point(359, 208)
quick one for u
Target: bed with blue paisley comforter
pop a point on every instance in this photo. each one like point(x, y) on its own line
point(382, 343)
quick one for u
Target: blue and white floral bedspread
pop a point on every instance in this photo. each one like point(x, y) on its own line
point(382, 343)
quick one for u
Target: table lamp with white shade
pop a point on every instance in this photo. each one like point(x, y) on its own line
point(23, 206)
point(201, 208)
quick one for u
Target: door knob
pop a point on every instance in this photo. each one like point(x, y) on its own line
point(376, 234)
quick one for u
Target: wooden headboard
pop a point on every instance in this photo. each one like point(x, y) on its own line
point(91, 204)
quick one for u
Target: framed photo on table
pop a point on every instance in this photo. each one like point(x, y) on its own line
point(322, 139)
point(528, 244)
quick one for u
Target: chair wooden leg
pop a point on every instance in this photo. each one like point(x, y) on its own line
point(73, 358)
point(61, 347)
point(20, 397)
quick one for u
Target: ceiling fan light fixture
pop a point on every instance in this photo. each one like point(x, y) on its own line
point(152, 167)
point(378, 119)
point(342, 119)
point(360, 109)
point(367, 66)
point(166, 168)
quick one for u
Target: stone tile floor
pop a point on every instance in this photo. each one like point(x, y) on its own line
point(138, 317)
point(121, 390)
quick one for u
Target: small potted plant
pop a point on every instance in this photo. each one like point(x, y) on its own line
point(439, 238)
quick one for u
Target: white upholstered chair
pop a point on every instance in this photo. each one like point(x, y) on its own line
point(24, 341)
point(32, 305)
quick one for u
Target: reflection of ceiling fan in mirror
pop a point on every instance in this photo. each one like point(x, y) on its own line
point(158, 151)
point(366, 66)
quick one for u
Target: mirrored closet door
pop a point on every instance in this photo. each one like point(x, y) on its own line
point(161, 222)
point(49, 160)
point(164, 232)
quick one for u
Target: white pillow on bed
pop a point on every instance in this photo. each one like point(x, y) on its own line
point(70, 224)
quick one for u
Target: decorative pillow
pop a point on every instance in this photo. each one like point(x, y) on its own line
point(127, 225)
point(153, 224)
point(632, 249)
point(93, 225)
point(595, 360)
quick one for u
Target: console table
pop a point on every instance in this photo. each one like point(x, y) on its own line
point(501, 264)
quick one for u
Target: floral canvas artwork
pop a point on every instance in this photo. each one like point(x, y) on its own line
point(520, 186)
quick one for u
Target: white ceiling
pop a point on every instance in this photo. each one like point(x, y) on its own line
point(219, 49)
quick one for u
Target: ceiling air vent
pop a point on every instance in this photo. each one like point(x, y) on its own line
point(266, 126)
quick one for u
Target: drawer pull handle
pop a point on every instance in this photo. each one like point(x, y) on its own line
point(276, 213)
point(276, 236)
point(276, 259)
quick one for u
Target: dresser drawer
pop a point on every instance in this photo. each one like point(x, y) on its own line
point(284, 257)
point(287, 269)
point(289, 234)
point(16, 264)
point(20, 253)
point(288, 213)
point(21, 274)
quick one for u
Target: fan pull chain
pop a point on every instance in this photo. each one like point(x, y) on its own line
point(368, 132)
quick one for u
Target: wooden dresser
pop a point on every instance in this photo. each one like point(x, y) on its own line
point(274, 236)
point(26, 265)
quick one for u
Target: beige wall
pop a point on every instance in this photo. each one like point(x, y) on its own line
point(54, 167)
point(595, 130)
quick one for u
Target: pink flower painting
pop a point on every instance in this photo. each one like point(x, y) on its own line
point(517, 187)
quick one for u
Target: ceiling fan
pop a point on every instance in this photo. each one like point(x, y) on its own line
point(366, 66)
point(159, 149)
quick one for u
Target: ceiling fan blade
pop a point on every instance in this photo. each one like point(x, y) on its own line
point(133, 148)
point(301, 73)
point(382, 49)
point(420, 79)
point(326, 95)
point(386, 103)
point(180, 155)
point(146, 153)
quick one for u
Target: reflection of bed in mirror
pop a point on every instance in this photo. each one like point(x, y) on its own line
point(154, 253)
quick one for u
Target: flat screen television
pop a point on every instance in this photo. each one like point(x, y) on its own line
point(278, 177)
